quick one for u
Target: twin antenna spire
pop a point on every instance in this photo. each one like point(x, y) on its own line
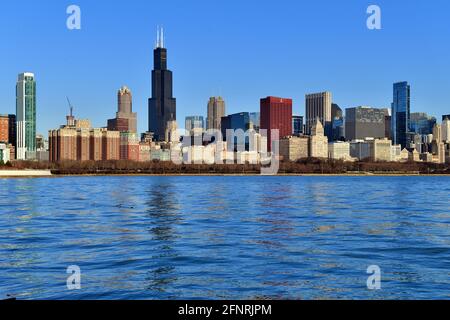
point(160, 37)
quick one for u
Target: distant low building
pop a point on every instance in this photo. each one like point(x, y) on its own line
point(374, 150)
point(144, 152)
point(339, 151)
point(129, 146)
point(160, 155)
point(396, 153)
point(381, 150)
point(42, 156)
point(4, 153)
point(414, 156)
point(360, 149)
point(294, 148)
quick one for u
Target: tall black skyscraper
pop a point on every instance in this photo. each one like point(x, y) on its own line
point(162, 105)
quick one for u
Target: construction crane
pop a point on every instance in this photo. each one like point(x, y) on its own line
point(70, 118)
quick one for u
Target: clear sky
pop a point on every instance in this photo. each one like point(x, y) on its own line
point(240, 49)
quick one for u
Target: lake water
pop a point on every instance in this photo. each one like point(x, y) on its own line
point(225, 237)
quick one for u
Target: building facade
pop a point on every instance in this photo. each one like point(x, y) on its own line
point(363, 122)
point(360, 149)
point(339, 150)
point(129, 146)
point(381, 150)
point(26, 116)
point(276, 114)
point(294, 148)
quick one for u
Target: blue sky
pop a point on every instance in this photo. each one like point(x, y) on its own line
point(240, 49)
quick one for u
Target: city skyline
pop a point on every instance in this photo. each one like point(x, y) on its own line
point(363, 84)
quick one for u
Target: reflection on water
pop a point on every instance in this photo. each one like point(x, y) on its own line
point(225, 237)
point(162, 208)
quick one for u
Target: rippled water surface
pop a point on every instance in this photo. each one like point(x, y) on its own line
point(225, 237)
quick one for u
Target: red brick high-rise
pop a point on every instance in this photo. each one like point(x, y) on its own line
point(4, 128)
point(276, 113)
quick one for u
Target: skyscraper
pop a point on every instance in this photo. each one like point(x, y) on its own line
point(318, 106)
point(216, 110)
point(276, 114)
point(126, 119)
point(162, 104)
point(401, 107)
point(26, 116)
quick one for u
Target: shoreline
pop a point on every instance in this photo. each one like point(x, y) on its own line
point(47, 174)
point(25, 173)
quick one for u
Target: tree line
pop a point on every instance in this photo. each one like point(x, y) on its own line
point(304, 166)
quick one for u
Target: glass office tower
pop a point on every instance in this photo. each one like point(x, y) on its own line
point(26, 116)
point(401, 107)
